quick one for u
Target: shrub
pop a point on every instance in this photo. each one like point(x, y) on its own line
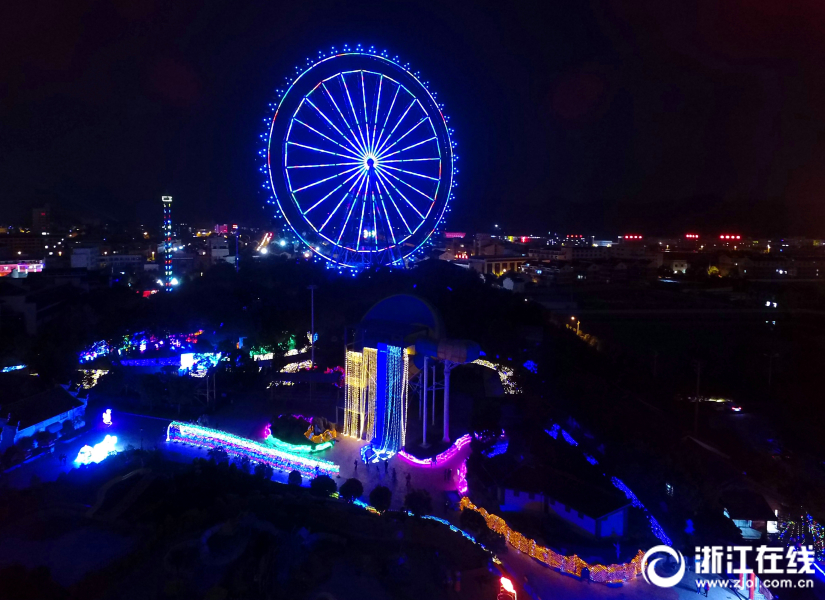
point(263, 471)
point(419, 502)
point(26, 444)
point(380, 498)
point(351, 489)
point(322, 486)
point(44, 438)
point(68, 428)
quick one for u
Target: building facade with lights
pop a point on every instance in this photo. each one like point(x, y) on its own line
point(46, 411)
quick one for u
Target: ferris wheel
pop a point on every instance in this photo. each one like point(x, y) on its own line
point(360, 159)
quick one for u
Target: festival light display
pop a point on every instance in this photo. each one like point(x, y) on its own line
point(462, 487)
point(804, 531)
point(505, 374)
point(296, 448)
point(107, 417)
point(567, 564)
point(12, 368)
point(439, 459)
point(280, 460)
point(496, 449)
point(98, 452)
point(140, 342)
point(359, 159)
point(375, 397)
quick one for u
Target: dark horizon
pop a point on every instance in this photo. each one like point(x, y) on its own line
point(593, 118)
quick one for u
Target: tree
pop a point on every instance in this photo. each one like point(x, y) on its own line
point(181, 391)
point(472, 521)
point(13, 455)
point(26, 444)
point(43, 438)
point(351, 489)
point(67, 430)
point(246, 465)
point(263, 471)
point(294, 478)
point(419, 502)
point(380, 498)
point(322, 486)
point(151, 390)
point(218, 454)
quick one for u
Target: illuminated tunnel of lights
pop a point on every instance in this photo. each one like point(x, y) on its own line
point(255, 451)
point(360, 159)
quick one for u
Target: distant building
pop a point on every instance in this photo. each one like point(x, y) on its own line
point(42, 219)
point(547, 253)
point(122, 261)
point(584, 252)
point(598, 510)
point(45, 411)
point(496, 265)
point(86, 258)
point(218, 249)
point(30, 246)
point(20, 268)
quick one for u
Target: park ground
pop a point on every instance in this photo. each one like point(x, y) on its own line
point(249, 418)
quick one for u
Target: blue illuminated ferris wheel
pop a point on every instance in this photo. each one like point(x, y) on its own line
point(360, 159)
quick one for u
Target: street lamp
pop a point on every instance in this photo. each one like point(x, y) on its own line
point(578, 324)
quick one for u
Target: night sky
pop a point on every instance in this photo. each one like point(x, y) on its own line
point(603, 117)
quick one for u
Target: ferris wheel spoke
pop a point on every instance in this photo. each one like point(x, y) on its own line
point(328, 120)
point(354, 114)
point(349, 214)
point(400, 214)
point(355, 156)
point(332, 192)
point(326, 179)
point(387, 217)
point(409, 131)
point(366, 117)
point(387, 118)
point(359, 149)
point(410, 147)
point(317, 149)
point(400, 193)
point(404, 160)
point(361, 224)
point(413, 173)
point(361, 175)
point(374, 222)
point(375, 112)
point(326, 165)
point(401, 120)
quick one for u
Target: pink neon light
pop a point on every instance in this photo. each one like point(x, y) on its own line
point(462, 479)
point(439, 459)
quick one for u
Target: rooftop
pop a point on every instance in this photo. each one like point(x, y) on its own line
point(40, 407)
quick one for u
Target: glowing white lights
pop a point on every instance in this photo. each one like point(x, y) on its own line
point(98, 452)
